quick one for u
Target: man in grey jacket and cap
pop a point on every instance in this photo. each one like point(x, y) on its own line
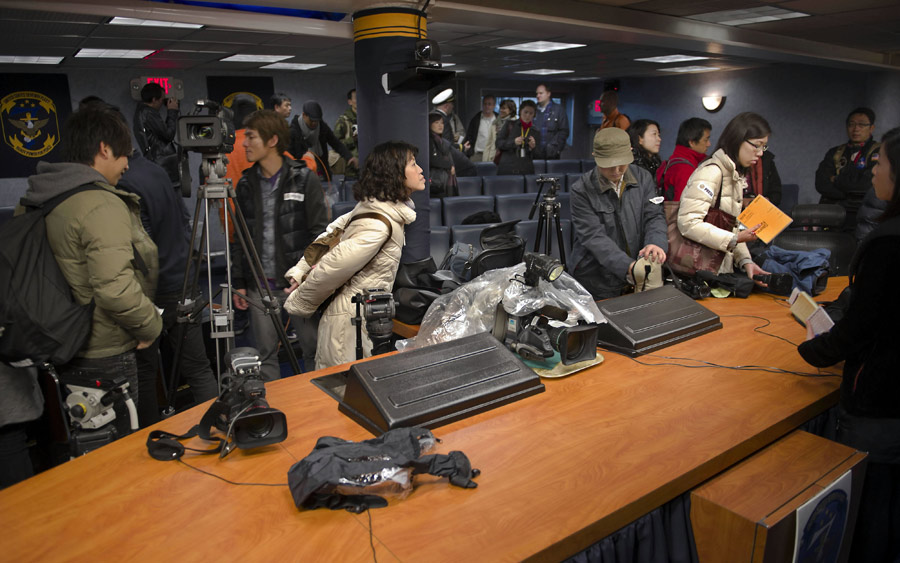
point(620, 228)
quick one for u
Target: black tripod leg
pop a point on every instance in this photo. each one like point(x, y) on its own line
point(559, 240)
point(540, 230)
point(272, 308)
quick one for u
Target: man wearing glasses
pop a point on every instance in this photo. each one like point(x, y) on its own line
point(845, 174)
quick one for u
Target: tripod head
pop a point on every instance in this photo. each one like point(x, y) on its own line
point(549, 198)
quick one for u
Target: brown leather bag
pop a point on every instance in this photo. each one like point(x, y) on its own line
point(687, 256)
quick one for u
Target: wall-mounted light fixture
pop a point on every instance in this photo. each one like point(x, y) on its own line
point(713, 104)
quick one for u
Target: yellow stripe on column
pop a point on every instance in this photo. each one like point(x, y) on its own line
point(389, 25)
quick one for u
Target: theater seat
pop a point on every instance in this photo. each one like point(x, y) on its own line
point(528, 231)
point(571, 179)
point(540, 166)
point(496, 185)
point(485, 168)
point(469, 185)
point(338, 208)
point(436, 212)
point(827, 218)
point(440, 243)
point(562, 167)
point(458, 208)
point(514, 206)
point(346, 190)
point(588, 164)
point(790, 196)
point(6, 213)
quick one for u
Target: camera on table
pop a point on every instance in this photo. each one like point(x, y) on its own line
point(209, 133)
point(248, 417)
point(537, 338)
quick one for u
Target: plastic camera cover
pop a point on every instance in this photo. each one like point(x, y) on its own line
point(469, 309)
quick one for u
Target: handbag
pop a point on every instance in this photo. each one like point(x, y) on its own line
point(687, 256)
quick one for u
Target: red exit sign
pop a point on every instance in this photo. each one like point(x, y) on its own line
point(597, 108)
point(172, 87)
point(162, 81)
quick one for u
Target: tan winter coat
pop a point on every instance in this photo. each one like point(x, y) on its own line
point(696, 200)
point(349, 268)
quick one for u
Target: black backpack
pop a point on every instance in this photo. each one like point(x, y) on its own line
point(39, 319)
point(501, 247)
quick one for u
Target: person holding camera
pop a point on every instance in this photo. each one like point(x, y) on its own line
point(617, 221)
point(155, 137)
point(367, 255)
point(284, 206)
point(516, 142)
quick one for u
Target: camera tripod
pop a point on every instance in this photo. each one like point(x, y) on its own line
point(217, 190)
point(550, 207)
point(375, 308)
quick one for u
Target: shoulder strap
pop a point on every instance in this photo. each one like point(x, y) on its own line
point(46, 207)
point(380, 217)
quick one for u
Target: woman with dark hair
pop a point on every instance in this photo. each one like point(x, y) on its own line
point(722, 178)
point(367, 255)
point(507, 113)
point(440, 161)
point(516, 142)
point(645, 141)
point(868, 412)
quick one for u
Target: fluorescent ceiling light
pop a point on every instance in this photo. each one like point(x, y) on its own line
point(544, 71)
point(689, 69)
point(292, 66)
point(30, 60)
point(666, 59)
point(255, 58)
point(448, 64)
point(114, 53)
point(152, 23)
point(574, 79)
point(541, 46)
point(748, 16)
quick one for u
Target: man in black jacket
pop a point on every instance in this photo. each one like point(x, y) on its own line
point(310, 133)
point(845, 174)
point(479, 127)
point(155, 137)
point(284, 205)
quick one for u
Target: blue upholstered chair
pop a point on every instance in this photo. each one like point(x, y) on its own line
point(528, 231)
point(514, 206)
point(540, 166)
point(458, 208)
point(469, 185)
point(338, 208)
point(496, 185)
point(588, 164)
point(436, 211)
point(561, 167)
point(486, 168)
point(440, 243)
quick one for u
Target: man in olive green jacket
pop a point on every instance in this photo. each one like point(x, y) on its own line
point(101, 247)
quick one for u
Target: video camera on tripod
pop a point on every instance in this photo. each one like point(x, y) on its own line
point(211, 134)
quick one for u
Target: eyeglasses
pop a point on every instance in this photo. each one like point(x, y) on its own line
point(855, 124)
point(758, 148)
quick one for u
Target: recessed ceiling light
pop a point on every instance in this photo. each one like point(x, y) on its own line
point(666, 59)
point(255, 58)
point(114, 53)
point(541, 46)
point(544, 71)
point(29, 60)
point(292, 66)
point(689, 69)
point(152, 23)
point(750, 15)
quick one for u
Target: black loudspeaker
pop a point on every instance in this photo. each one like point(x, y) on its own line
point(647, 321)
point(436, 385)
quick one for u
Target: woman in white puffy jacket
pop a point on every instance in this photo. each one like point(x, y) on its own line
point(367, 255)
point(741, 144)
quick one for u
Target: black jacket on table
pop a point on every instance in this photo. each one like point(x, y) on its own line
point(868, 335)
point(327, 138)
point(510, 160)
point(156, 139)
point(850, 183)
point(300, 216)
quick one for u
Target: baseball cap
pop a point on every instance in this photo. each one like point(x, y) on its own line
point(612, 147)
point(313, 110)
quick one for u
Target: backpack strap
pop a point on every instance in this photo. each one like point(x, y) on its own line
point(668, 190)
point(47, 206)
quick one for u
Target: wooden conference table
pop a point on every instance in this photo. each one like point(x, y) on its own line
point(560, 470)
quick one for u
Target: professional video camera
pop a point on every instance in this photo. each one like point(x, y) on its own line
point(209, 133)
point(538, 336)
point(247, 416)
point(92, 415)
point(375, 307)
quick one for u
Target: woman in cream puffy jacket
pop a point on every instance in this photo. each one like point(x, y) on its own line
point(742, 143)
point(367, 256)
